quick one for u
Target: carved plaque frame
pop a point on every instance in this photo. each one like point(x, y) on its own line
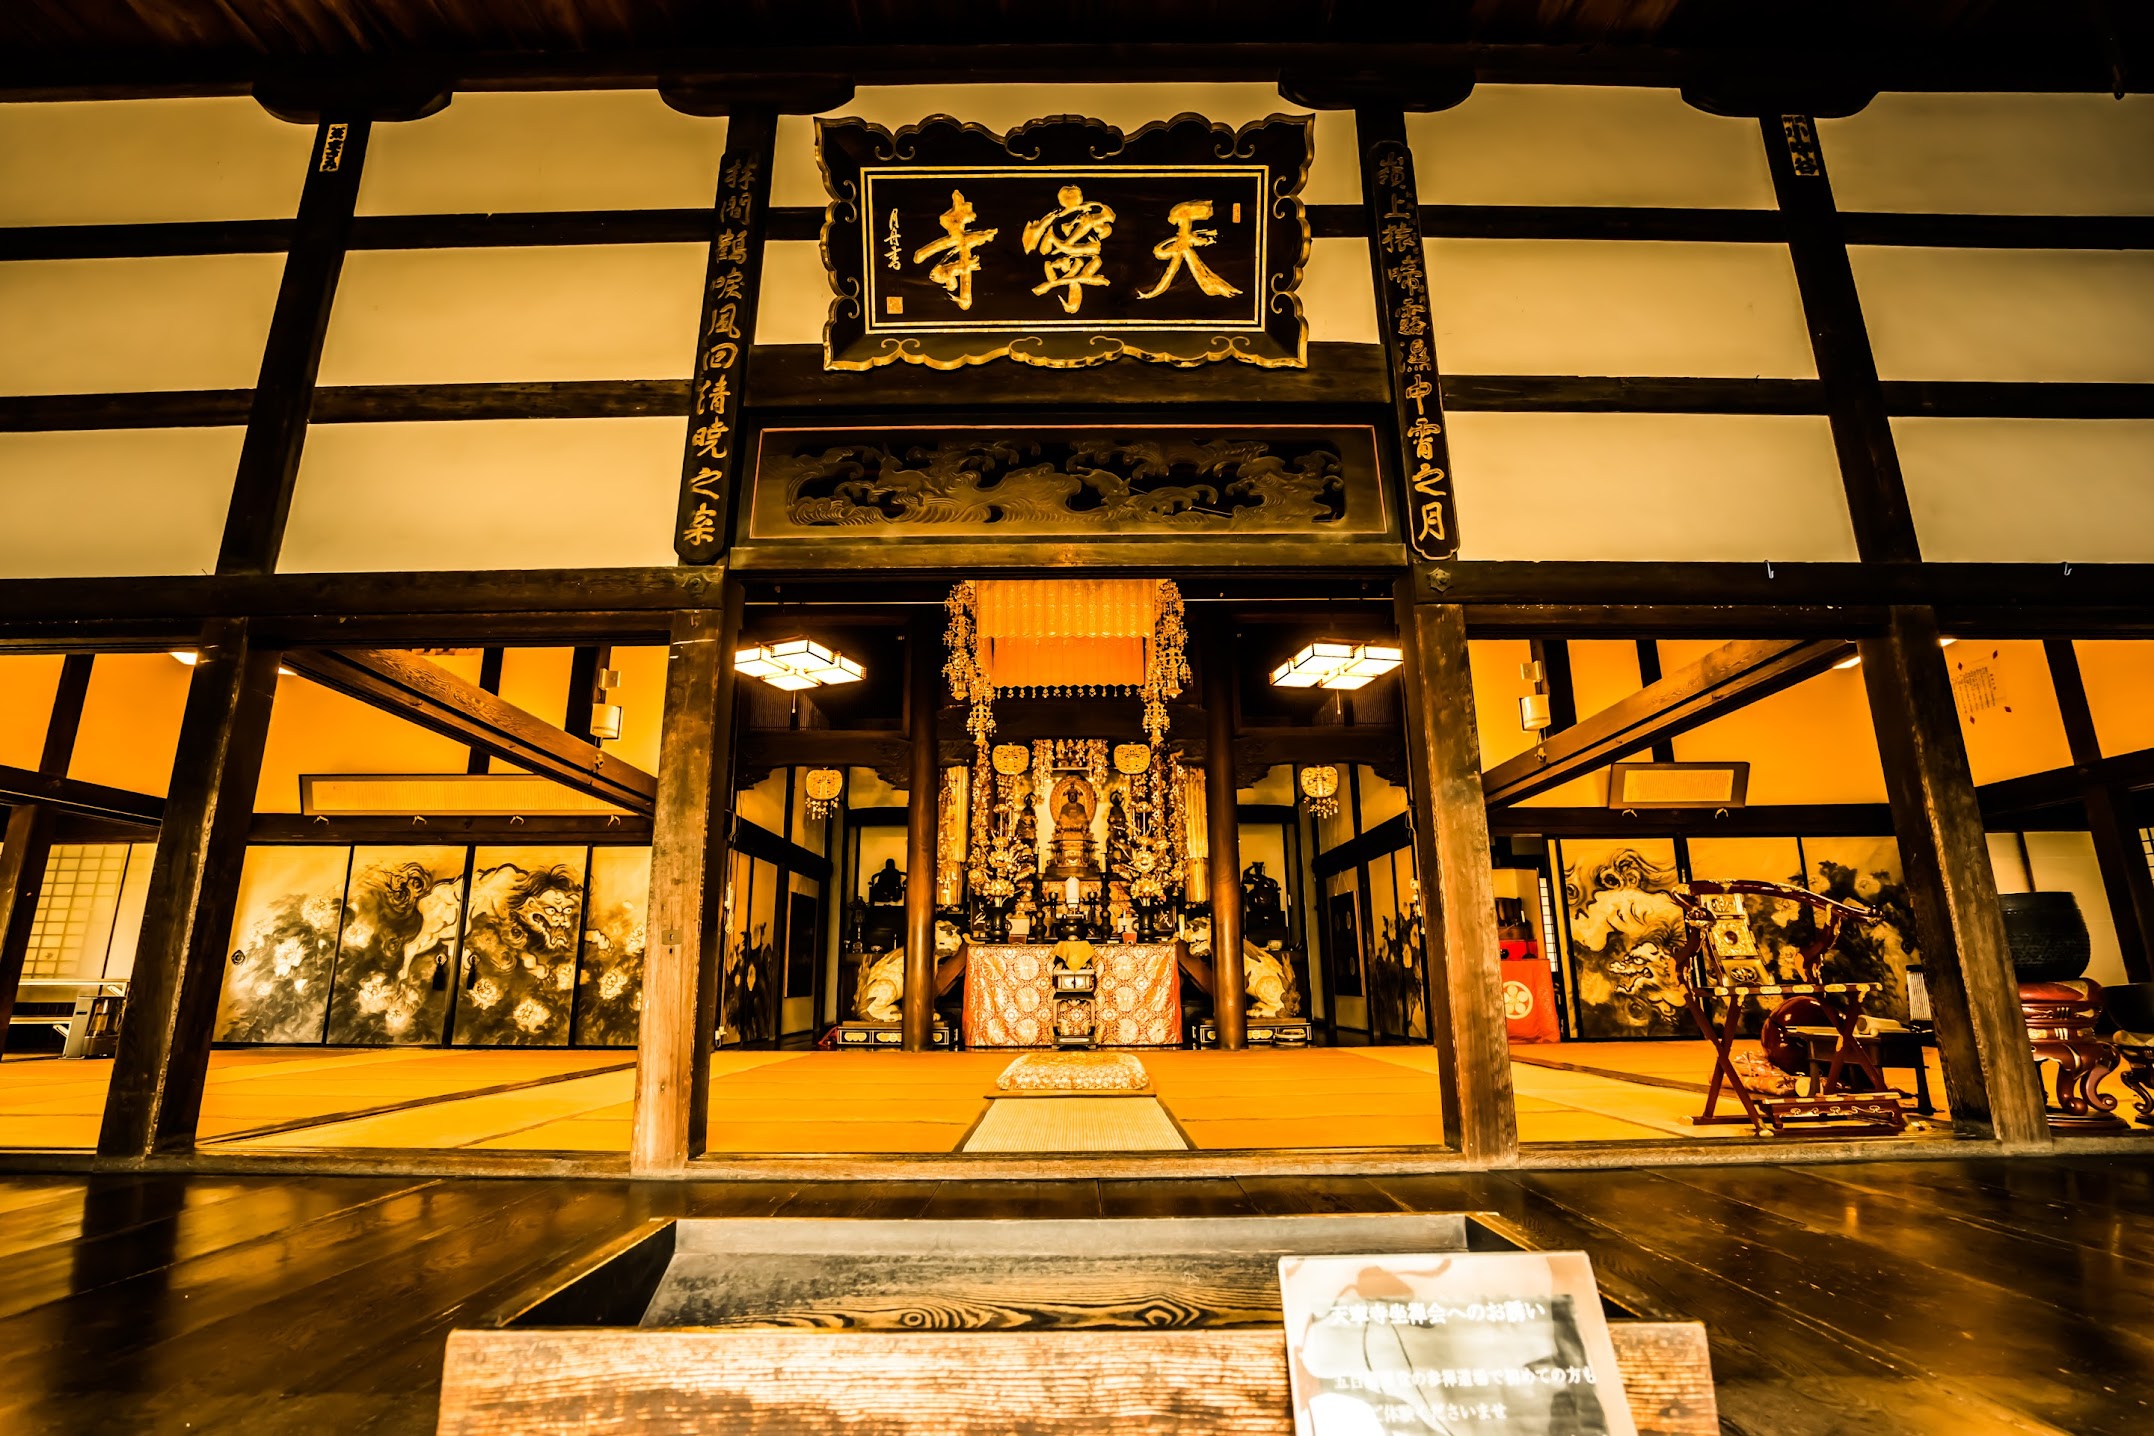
point(1315, 485)
point(1225, 200)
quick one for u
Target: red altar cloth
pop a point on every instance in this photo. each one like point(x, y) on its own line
point(1529, 998)
point(1009, 995)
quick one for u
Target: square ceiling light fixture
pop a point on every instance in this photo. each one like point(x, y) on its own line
point(1337, 665)
point(796, 664)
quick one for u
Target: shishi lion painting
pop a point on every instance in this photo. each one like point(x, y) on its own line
point(518, 976)
point(398, 951)
point(1625, 931)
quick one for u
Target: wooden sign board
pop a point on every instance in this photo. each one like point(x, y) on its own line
point(1469, 1344)
point(1065, 243)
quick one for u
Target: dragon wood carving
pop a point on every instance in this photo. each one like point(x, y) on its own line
point(1111, 485)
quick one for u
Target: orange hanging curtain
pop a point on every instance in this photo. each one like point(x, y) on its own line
point(1080, 632)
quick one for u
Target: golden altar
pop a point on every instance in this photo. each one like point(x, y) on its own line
point(1112, 994)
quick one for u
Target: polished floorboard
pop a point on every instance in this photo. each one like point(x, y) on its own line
point(1961, 1296)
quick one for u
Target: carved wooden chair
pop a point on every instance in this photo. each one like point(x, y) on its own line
point(1720, 961)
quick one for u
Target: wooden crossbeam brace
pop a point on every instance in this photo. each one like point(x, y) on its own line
point(1722, 681)
point(437, 700)
point(90, 800)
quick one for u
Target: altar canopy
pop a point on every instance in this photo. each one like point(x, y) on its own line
point(1083, 633)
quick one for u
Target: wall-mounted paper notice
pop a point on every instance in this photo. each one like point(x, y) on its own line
point(1480, 1344)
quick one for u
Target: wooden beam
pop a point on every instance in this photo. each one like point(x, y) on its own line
point(1855, 400)
point(1479, 393)
point(791, 377)
point(804, 224)
point(1258, 750)
point(155, 1097)
point(715, 443)
point(1577, 599)
point(71, 795)
point(1989, 1069)
point(1458, 899)
point(2111, 822)
point(284, 394)
point(685, 919)
point(2009, 799)
point(437, 700)
point(1223, 861)
point(369, 831)
point(2007, 60)
point(30, 829)
point(1797, 820)
point(923, 802)
point(1721, 682)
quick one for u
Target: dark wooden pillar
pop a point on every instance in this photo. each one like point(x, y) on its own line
point(1230, 987)
point(2126, 880)
point(1840, 341)
point(284, 394)
point(923, 690)
point(1990, 1076)
point(29, 834)
point(685, 921)
point(163, 1058)
point(490, 680)
point(1458, 895)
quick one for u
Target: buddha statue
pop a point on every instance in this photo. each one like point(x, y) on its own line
point(1072, 843)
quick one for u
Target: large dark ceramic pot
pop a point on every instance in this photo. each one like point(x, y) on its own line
point(2130, 1006)
point(2047, 934)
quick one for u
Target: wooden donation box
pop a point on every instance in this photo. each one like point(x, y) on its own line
point(1072, 995)
point(1138, 1326)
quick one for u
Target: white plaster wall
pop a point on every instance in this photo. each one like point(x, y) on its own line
point(2046, 315)
point(1677, 487)
point(449, 316)
point(77, 504)
point(1587, 145)
point(2030, 490)
point(485, 494)
point(148, 161)
point(546, 150)
point(1511, 306)
point(1994, 154)
point(88, 326)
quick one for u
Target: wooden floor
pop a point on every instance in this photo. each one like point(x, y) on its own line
point(1964, 1297)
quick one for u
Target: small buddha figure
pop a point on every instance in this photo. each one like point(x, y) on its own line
point(887, 886)
point(1073, 834)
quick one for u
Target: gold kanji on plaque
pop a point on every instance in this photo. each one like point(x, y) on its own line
point(1068, 239)
point(958, 242)
point(1181, 248)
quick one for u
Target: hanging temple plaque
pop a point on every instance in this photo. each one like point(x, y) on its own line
point(1065, 243)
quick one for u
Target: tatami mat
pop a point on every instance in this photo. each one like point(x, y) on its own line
point(288, 1099)
point(1075, 1124)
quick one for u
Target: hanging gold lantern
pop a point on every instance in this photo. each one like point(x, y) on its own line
point(1320, 785)
point(824, 786)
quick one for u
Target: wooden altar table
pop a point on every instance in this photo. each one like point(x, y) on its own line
point(1011, 998)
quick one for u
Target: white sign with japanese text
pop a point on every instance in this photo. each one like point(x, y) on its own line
point(1467, 1344)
